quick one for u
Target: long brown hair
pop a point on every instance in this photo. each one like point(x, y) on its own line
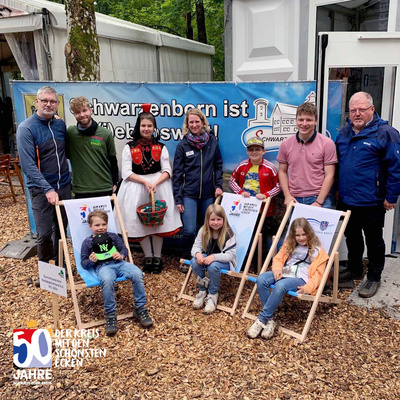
point(224, 234)
point(312, 239)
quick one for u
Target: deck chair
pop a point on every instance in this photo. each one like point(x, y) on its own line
point(5, 176)
point(245, 219)
point(326, 225)
point(77, 212)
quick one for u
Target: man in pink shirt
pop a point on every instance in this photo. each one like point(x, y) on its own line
point(307, 162)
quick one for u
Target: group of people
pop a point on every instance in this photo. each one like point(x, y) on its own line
point(368, 176)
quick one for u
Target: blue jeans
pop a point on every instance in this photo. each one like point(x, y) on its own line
point(271, 300)
point(189, 217)
point(214, 274)
point(109, 271)
point(328, 203)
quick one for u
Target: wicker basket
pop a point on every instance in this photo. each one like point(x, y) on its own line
point(152, 214)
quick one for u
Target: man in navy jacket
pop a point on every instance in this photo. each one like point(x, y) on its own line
point(369, 184)
point(41, 148)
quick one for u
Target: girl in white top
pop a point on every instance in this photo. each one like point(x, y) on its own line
point(214, 249)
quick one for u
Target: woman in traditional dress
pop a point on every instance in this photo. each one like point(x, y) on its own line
point(145, 169)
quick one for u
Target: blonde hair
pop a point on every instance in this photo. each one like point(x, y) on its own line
point(78, 102)
point(99, 214)
point(312, 239)
point(195, 111)
point(225, 232)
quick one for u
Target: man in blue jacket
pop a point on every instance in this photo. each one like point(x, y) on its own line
point(41, 148)
point(369, 184)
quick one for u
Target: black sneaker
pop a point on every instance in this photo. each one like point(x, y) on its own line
point(148, 265)
point(157, 265)
point(111, 324)
point(142, 315)
point(346, 276)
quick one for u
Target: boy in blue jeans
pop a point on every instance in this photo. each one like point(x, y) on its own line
point(105, 252)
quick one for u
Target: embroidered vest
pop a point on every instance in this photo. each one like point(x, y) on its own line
point(145, 158)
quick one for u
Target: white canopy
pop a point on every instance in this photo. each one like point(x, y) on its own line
point(128, 52)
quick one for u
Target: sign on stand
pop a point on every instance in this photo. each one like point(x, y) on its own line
point(52, 279)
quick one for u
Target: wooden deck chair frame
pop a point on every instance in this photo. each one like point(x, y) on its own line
point(257, 242)
point(74, 286)
point(319, 297)
point(5, 177)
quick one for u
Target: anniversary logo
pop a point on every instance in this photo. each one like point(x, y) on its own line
point(34, 358)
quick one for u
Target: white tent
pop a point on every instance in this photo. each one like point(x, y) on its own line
point(35, 31)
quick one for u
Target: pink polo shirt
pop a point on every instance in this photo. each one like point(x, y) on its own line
point(306, 163)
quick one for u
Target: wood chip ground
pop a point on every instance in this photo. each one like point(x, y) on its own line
point(350, 352)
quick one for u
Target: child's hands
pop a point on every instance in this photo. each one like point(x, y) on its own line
point(148, 185)
point(209, 259)
point(261, 196)
point(277, 275)
point(199, 258)
point(116, 256)
point(300, 290)
point(93, 257)
point(245, 194)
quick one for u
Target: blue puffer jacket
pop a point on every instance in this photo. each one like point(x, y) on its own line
point(41, 148)
point(197, 173)
point(369, 164)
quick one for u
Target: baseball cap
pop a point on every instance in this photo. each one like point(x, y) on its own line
point(103, 247)
point(255, 141)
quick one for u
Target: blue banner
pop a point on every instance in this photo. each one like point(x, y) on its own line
point(235, 111)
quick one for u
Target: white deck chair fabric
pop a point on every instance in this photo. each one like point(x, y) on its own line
point(77, 213)
point(242, 213)
point(324, 221)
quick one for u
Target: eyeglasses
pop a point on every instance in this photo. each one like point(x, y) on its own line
point(52, 102)
point(360, 110)
point(255, 150)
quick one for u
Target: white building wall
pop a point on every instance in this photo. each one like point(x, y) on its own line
point(265, 40)
point(276, 39)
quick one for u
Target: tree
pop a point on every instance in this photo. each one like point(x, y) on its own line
point(82, 52)
point(201, 22)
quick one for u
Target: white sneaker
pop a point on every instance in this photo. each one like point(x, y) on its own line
point(200, 299)
point(269, 329)
point(255, 329)
point(211, 303)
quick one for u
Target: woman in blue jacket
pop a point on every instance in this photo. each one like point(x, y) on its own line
point(197, 175)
